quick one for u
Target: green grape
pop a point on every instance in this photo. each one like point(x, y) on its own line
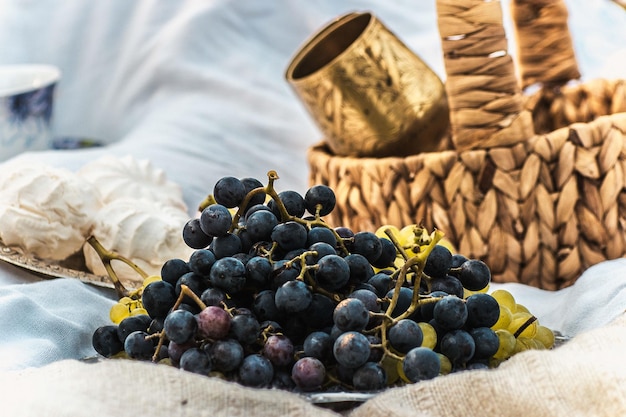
point(430, 335)
point(507, 344)
point(391, 366)
point(467, 293)
point(504, 320)
point(522, 326)
point(119, 312)
point(545, 336)
point(446, 365)
point(520, 308)
point(522, 344)
point(505, 299)
point(138, 311)
point(383, 230)
point(150, 280)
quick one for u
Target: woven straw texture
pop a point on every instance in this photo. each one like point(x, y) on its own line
point(533, 184)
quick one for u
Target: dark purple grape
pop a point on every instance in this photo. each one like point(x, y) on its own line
point(321, 234)
point(322, 196)
point(156, 325)
point(175, 351)
point(369, 377)
point(139, 346)
point(173, 269)
point(282, 380)
point(457, 261)
point(229, 192)
point(201, 261)
point(256, 371)
point(264, 306)
point(376, 353)
point(194, 237)
point(368, 297)
point(226, 355)
point(180, 326)
point(333, 272)
point(197, 361)
point(293, 297)
point(450, 312)
point(319, 314)
point(477, 365)
point(405, 296)
point(294, 327)
point(351, 349)
point(226, 246)
point(213, 322)
point(255, 208)
point(474, 274)
point(131, 324)
point(368, 245)
point(213, 297)
point(196, 284)
point(258, 198)
point(308, 373)
point(448, 284)
point(426, 309)
point(420, 364)
point(482, 310)
point(387, 256)
point(351, 314)
point(228, 274)
point(245, 328)
point(279, 350)
point(319, 345)
point(382, 282)
point(158, 298)
point(289, 235)
point(486, 342)
point(405, 335)
point(215, 220)
point(438, 262)
point(260, 224)
point(106, 341)
point(322, 249)
point(360, 268)
point(458, 346)
point(259, 270)
point(293, 202)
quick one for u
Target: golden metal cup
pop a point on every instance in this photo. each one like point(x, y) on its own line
point(368, 93)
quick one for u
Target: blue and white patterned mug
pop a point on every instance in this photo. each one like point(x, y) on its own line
point(26, 104)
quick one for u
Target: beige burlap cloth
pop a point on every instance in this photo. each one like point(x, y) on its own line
point(584, 377)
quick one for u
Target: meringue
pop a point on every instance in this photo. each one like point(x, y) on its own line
point(45, 211)
point(144, 231)
point(129, 177)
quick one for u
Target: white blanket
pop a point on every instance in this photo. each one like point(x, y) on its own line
point(198, 88)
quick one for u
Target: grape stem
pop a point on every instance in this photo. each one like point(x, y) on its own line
point(524, 326)
point(184, 291)
point(416, 264)
point(106, 256)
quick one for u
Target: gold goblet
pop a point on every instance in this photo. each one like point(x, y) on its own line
point(369, 94)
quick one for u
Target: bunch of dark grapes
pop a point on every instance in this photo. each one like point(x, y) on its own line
point(272, 296)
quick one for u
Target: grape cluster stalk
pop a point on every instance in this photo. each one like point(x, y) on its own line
point(274, 297)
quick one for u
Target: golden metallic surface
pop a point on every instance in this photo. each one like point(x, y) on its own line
point(369, 94)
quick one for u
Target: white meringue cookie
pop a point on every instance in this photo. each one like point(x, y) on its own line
point(46, 211)
point(129, 177)
point(146, 232)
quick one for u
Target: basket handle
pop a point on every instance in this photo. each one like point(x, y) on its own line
point(484, 94)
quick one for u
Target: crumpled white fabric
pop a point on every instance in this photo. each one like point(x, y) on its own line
point(198, 88)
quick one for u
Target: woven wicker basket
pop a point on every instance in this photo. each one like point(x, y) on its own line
point(532, 184)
